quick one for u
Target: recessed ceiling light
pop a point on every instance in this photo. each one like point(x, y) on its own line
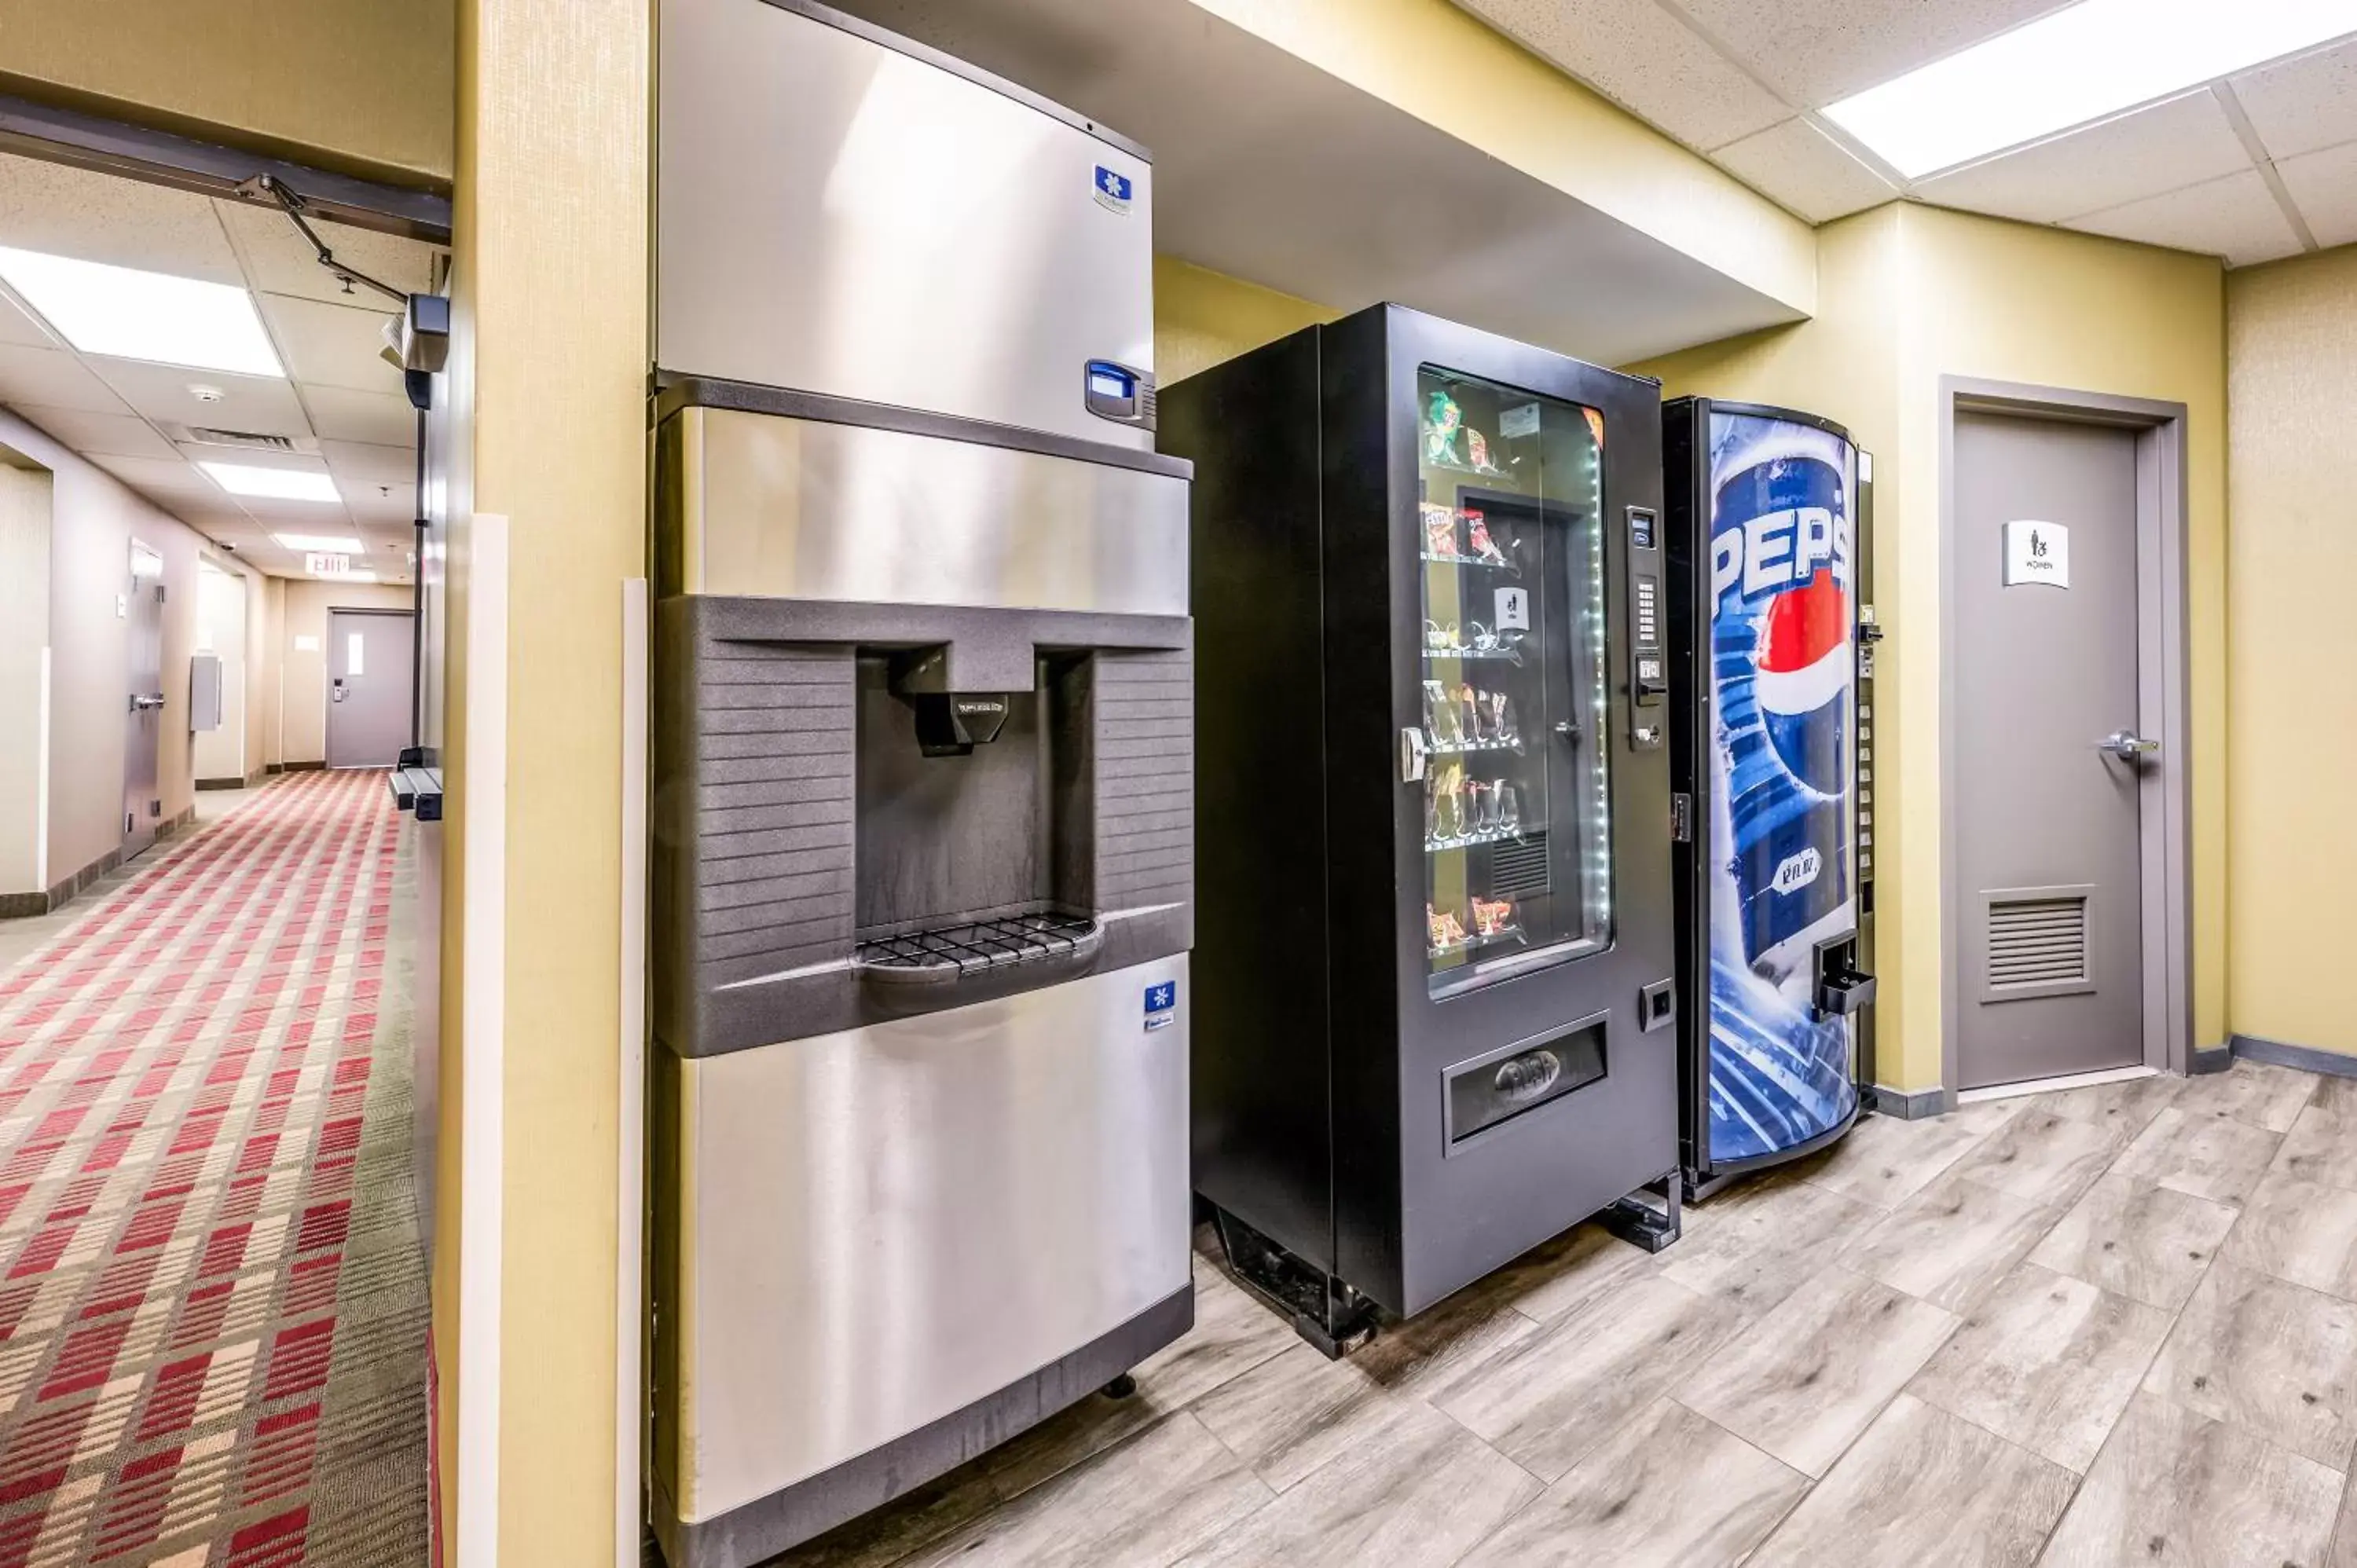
point(135, 315)
point(2073, 66)
point(321, 544)
point(276, 484)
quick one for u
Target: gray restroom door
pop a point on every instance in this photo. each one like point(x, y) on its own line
point(143, 615)
point(369, 663)
point(2047, 852)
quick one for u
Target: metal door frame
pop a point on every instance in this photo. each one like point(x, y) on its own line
point(2164, 824)
point(327, 702)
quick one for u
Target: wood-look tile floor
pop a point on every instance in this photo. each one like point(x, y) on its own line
point(2105, 1325)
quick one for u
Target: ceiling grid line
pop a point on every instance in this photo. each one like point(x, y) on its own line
point(2262, 160)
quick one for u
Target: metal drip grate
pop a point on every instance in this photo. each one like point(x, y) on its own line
point(976, 945)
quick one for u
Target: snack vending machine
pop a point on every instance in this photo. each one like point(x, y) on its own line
point(1771, 670)
point(1433, 956)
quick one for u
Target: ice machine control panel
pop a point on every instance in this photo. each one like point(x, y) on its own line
point(1648, 665)
point(1121, 394)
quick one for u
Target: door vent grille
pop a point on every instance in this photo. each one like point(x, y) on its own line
point(2037, 943)
point(1518, 869)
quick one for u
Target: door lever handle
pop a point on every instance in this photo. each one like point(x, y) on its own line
point(2126, 744)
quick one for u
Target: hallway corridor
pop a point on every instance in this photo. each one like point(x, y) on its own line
point(212, 1305)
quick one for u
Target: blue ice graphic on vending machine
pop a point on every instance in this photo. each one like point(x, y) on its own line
point(1783, 701)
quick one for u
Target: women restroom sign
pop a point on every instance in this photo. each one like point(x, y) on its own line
point(2037, 552)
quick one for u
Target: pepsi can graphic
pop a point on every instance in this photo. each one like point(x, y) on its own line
point(1782, 717)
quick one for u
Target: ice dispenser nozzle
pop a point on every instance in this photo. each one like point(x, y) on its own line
point(954, 712)
point(951, 724)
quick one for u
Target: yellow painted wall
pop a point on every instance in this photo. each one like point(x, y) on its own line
point(360, 85)
point(1437, 63)
point(2291, 334)
point(1912, 294)
point(1201, 318)
point(549, 430)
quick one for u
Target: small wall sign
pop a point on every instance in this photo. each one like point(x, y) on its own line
point(2037, 552)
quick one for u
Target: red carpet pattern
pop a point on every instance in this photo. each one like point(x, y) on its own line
point(212, 1307)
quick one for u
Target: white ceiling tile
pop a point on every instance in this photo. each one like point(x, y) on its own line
point(18, 325)
point(52, 377)
point(280, 260)
point(2304, 103)
point(342, 415)
point(2181, 142)
point(2235, 217)
point(112, 434)
point(377, 465)
point(387, 504)
point(1817, 52)
point(70, 211)
point(1806, 170)
point(1640, 56)
point(264, 404)
point(2323, 185)
point(331, 345)
point(297, 517)
point(161, 477)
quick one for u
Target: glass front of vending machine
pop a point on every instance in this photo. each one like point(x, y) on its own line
point(1770, 646)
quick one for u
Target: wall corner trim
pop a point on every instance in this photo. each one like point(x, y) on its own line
point(482, 1136)
point(632, 1434)
point(1909, 1105)
point(2211, 1058)
point(2280, 1053)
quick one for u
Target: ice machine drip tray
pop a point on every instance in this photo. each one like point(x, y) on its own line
point(1042, 945)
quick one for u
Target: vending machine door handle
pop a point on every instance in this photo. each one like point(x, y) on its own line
point(1412, 754)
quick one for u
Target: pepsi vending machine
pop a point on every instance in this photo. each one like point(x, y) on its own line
point(1771, 769)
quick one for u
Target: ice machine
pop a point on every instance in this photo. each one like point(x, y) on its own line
point(1773, 760)
point(923, 827)
point(1432, 1021)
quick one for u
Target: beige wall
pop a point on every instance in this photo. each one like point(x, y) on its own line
point(265, 632)
point(548, 430)
point(221, 597)
point(25, 501)
point(93, 520)
point(1201, 318)
point(360, 85)
point(303, 672)
point(1912, 294)
point(2291, 334)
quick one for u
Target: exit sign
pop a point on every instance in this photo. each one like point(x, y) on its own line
point(328, 565)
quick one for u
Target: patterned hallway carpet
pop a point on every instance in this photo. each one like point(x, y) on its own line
point(212, 1305)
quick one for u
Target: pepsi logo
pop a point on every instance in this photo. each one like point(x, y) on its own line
point(1777, 548)
point(1804, 667)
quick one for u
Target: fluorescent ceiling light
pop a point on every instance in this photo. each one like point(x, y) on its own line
point(276, 484)
point(343, 577)
point(135, 315)
point(2073, 65)
point(321, 544)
